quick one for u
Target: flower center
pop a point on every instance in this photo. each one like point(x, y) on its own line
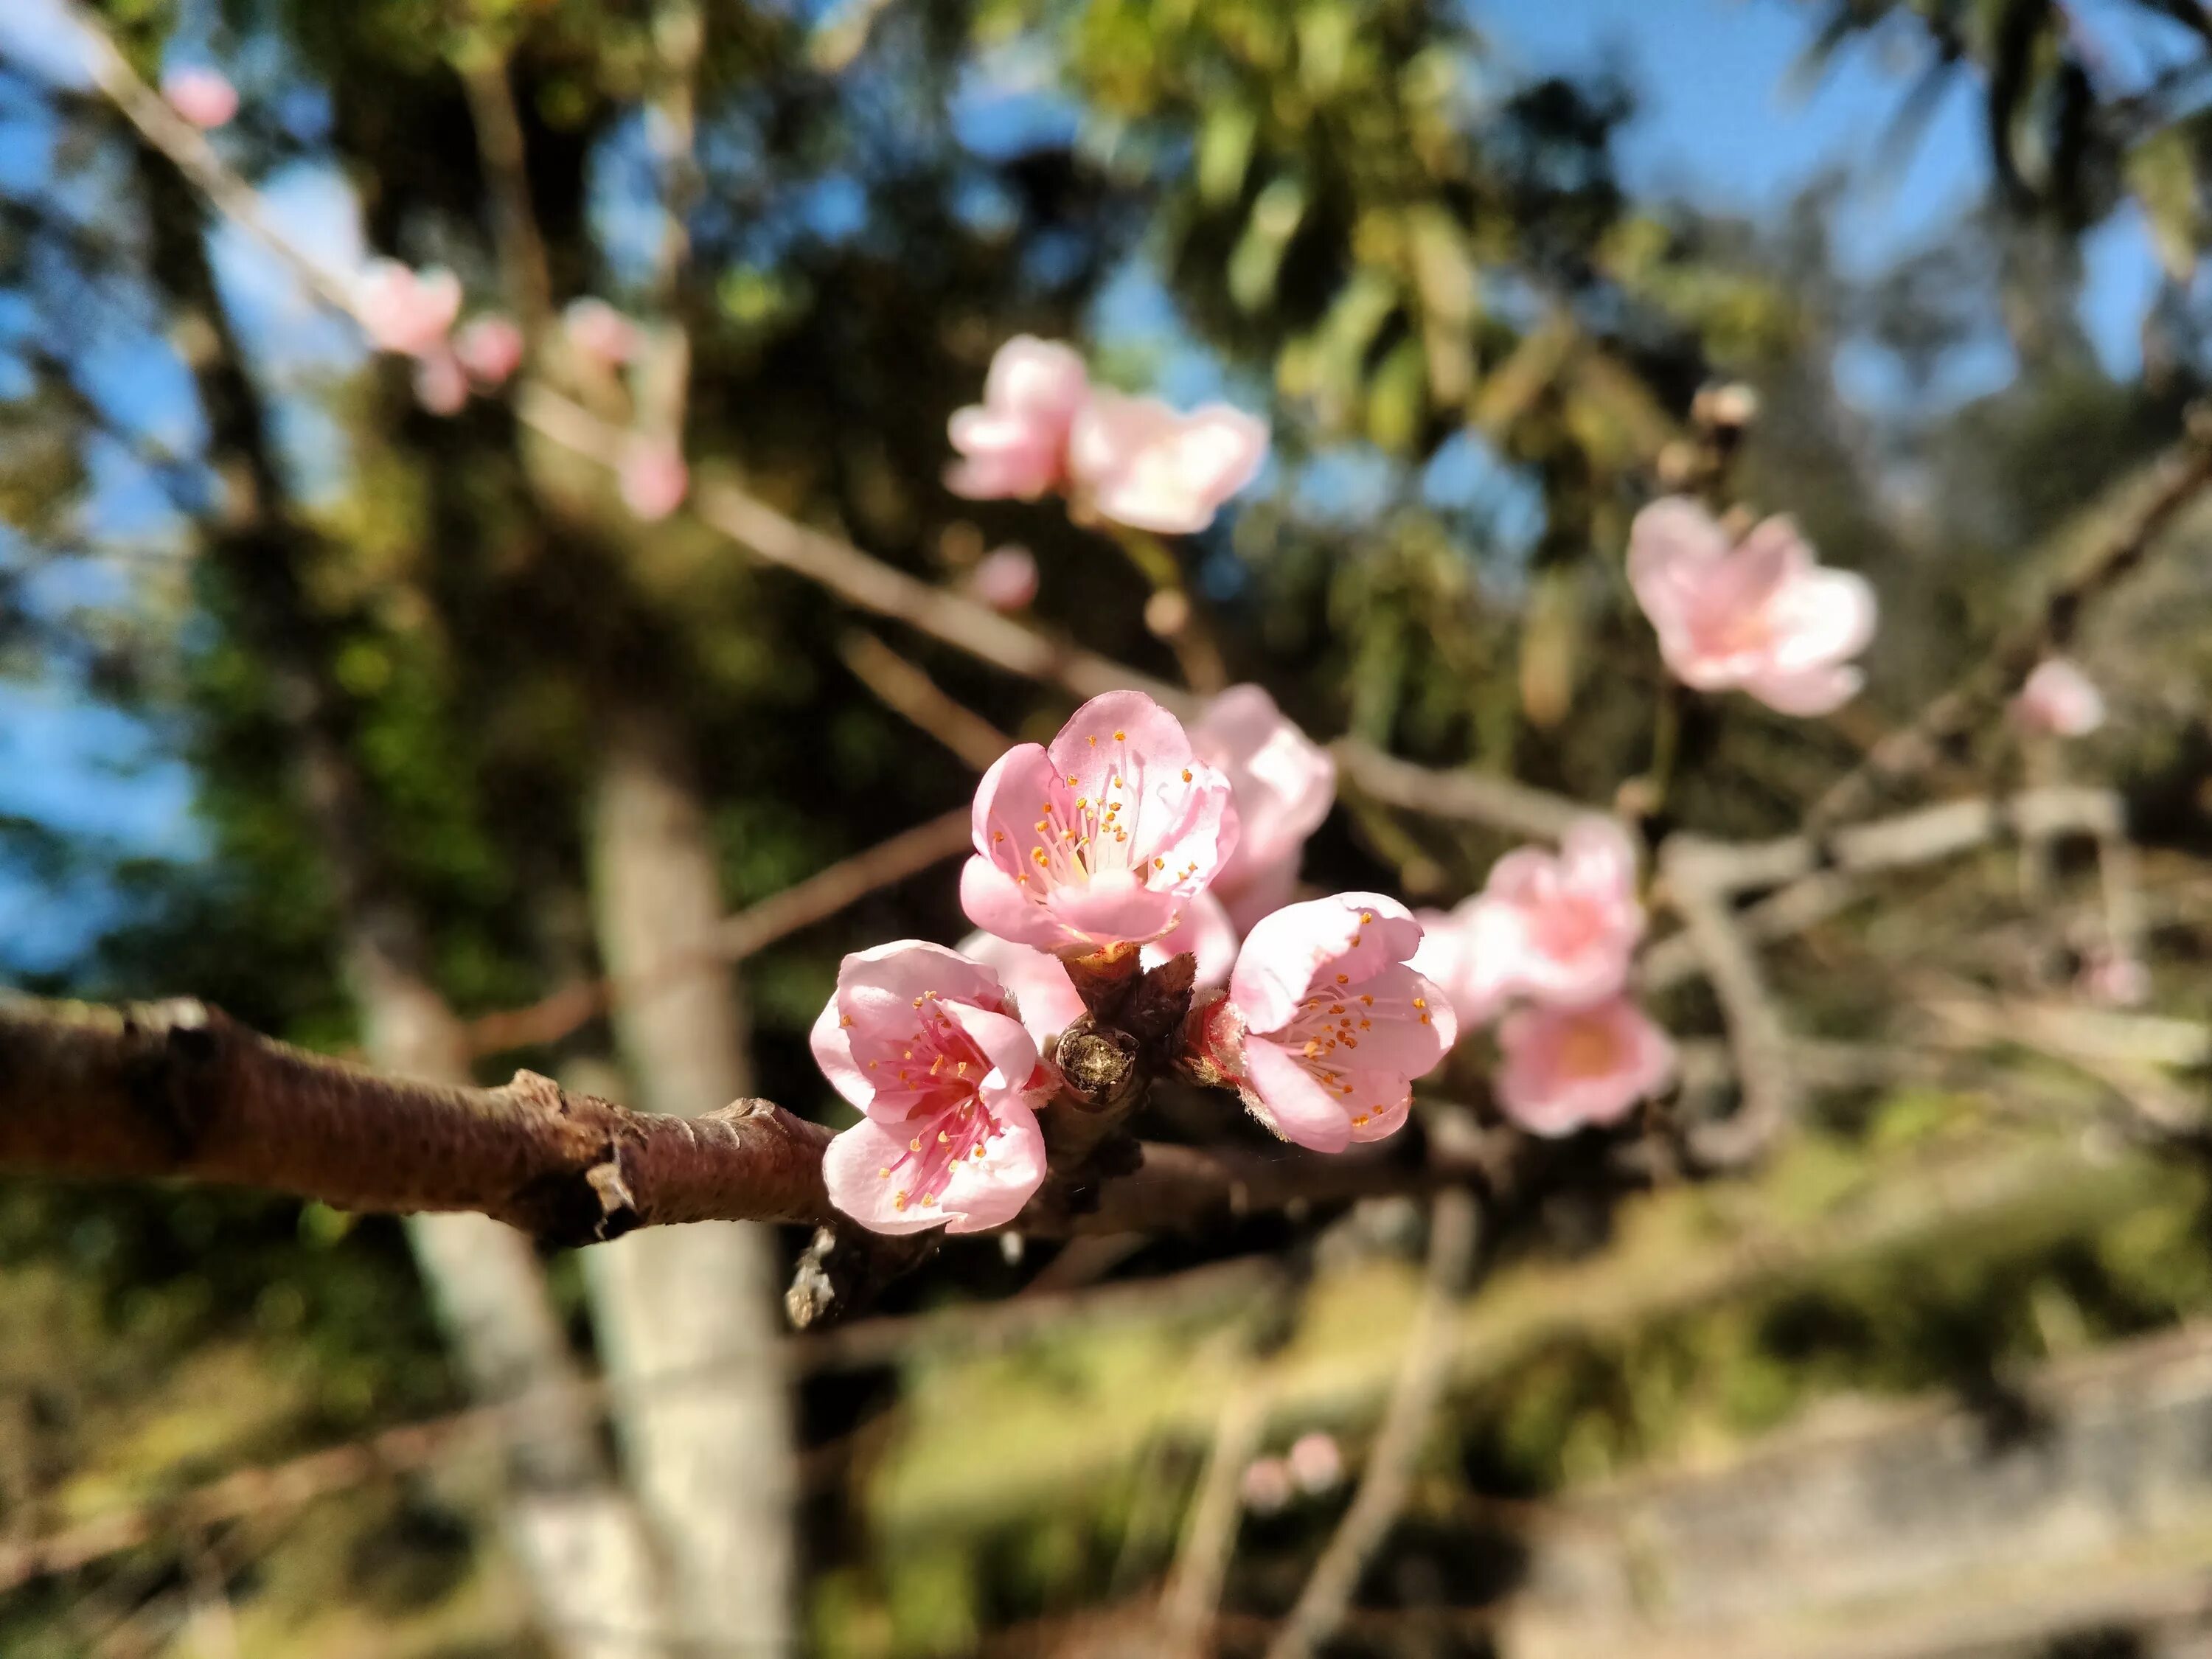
point(1588, 1048)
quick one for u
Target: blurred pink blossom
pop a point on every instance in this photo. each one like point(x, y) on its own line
point(1006, 579)
point(2059, 701)
point(439, 384)
point(923, 1042)
point(1761, 616)
point(1265, 1486)
point(1557, 927)
point(203, 96)
point(1138, 462)
point(406, 311)
point(1284, 783)
point(600, 332)
point(2115, 978)
point(490, 348)
point(1317, 1462)
point(1014, 443)
point(1106, 838)
point(1562, 1068)
point(1325, 1026)
point(653, 478)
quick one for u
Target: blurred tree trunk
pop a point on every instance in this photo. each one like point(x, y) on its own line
point(581, 1546)
point(688, 1316)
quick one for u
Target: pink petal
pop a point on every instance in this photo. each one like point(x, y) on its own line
point(653, 478)
point(1284, 955)
point(991, 1191)
point(1809, 692)
point(1204, 930)
point(1037, 981)
point(1822, 617)
point(990, 898)
point(1143, 465)
point(1006, 579)
point(1563, 1069)
point(600, 332)
point(1006, 1044)
point(203, 96)
point(833, 1053)
point(2059, 700)
point(405, 311)
point(439, 384)
point(1284, 782)
point(490, 348)
point(1291, 1100)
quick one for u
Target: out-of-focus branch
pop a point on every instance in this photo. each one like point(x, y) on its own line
point(905, 690)
point(1387, 1480)
point(2176, 478)
point(818, 897)
point(1192, 1596)
point(528, 279)
point(177, 1089)
point(1503, 804)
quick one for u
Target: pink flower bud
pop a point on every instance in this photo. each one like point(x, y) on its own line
point(1760, 616)
point(653, 478)
point(490, 348)
point(600, 332)
point(1265, 1486)
point(202, 95)
point(1138, 462)
point(925, 1043)
point(1014, 443)
point(1105, 838)
point(1006, 579)
point(1316, 1463)
point(404, 311)
point(439, 384)
point(1325, 1026)
point(2059, 701)
point(1562, 1068)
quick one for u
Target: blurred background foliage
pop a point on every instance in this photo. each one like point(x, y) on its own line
point(1476, 334)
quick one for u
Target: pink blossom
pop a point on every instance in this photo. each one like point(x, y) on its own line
point(1325, 1026)
point(1265, 1486)
point(924, 1042)
point(600, 332)
point(405, 311)
point(1138, 462)
point(1317, 1462)
point(1048, 1003)
point(653, 478)
point(1761, 616)
point(2115, 978)
point(1015, 441)
point(1285, 784)
point(490, 348)
point(439, 384)
point(1006, 579)
point(1207, 933)
point(203, 96)
point(1557, 927)
point(1105, 838)
point(1562, 1068)
point(2059, 701)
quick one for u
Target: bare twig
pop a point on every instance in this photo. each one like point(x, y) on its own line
point(1388, 1480)
point(1501, 803)
point(1192, 1596)
point(905, 690)
point(2176, 479)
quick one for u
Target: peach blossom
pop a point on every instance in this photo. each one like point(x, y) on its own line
point(653, 478)
point(1563, 1068)
point(924, 1042)
point(1760, 616)
point(1038, 981)
point(1284, 783)
point(1325, 1026)
point(1014, 443)
point(405, 311)
point(1265, 1486)
point(1317, 1462)
point(490, 348)
point(1106, 838)
point(439, 384)
point(1556, 928)
point(203, 96)
point(600, 332)
point(2059, 701)
point(1006, 579)
point(1138, 462)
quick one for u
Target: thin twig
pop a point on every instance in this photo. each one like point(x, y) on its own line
point(905, 690)
point(2175, 480)
point(1386, 1482)
point(1192, 1596)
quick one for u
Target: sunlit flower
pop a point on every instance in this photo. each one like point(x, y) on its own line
point(1006, 579)
point(406, 311)
point(1139, 463)
point(1046, 996)
point(1105, 838)
point(1761, 616)
point(2059, 701)
point(1014, 443)
point(1325, 1026)
point(652, 477)
point(1557, 927)
point(924, 1042)
point(600, 332)
point(441, 387)
point(203, 96)
point(491, 348)
point(1285, 785)
point(1563, 1068)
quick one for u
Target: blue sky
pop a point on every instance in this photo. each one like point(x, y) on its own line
point(1720, 124)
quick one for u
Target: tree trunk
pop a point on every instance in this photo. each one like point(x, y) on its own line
point(688, 1315)
point(581, 1546)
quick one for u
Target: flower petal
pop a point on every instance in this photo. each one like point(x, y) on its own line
point(1292, 1101)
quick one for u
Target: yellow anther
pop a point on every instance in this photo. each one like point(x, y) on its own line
point(943, 1139)
point(928, 1199)
point(1366, 916)
point(1360, 1122)
point(1344, 979)
point(844, 1019)
point(899, 1201)
point(1186, 774)
point(915, 1145)
point(1366, 1000)
point(1121, 737)
point(1420, 1002)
